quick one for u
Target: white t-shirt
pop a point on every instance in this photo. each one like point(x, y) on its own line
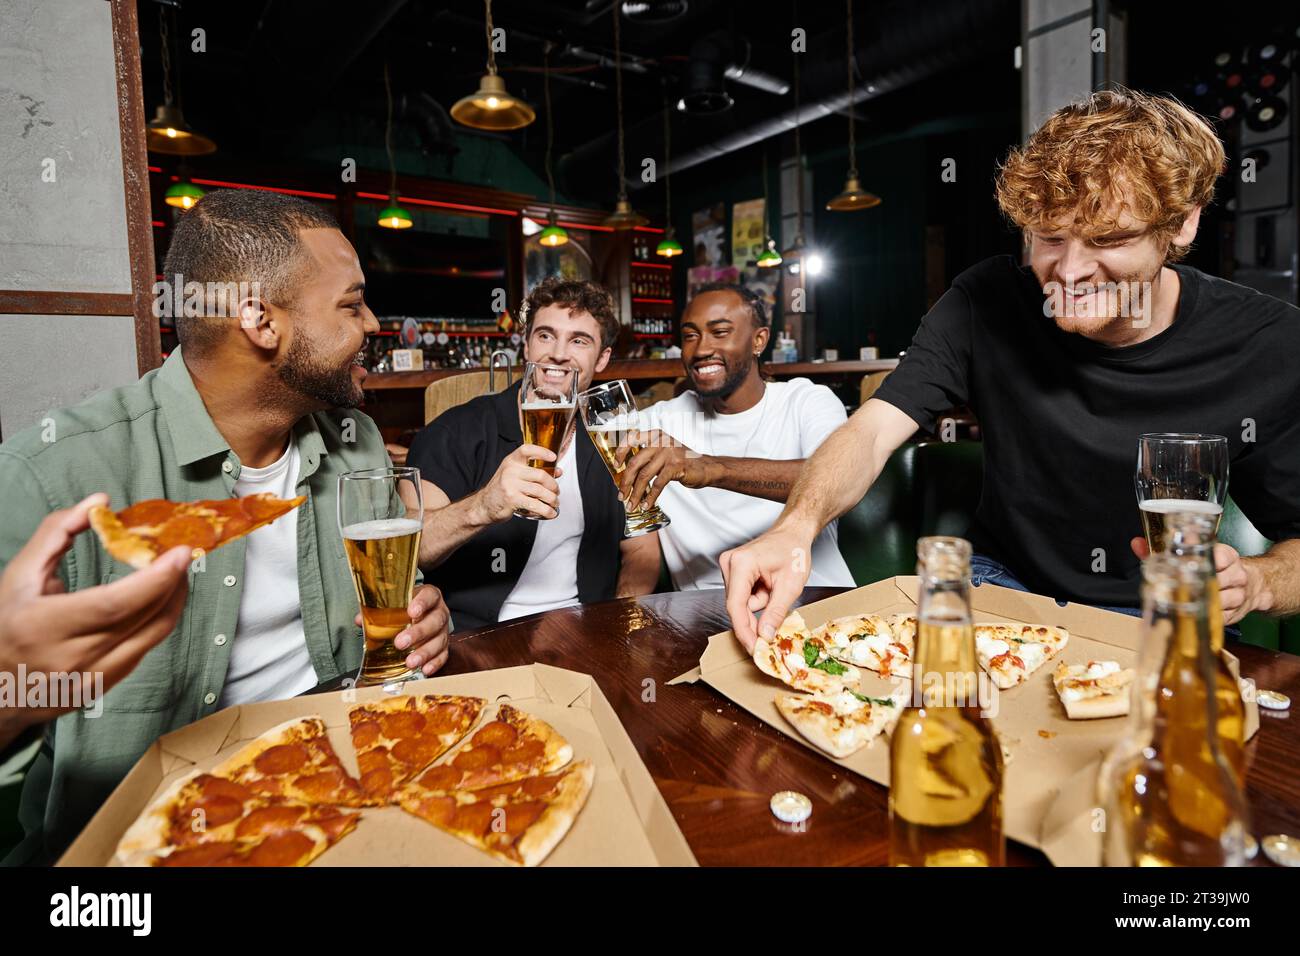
point(269, 659)
point(790, 421)
point(550, 578)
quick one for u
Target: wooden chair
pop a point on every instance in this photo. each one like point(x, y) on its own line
point(658, 392)
point(869, 385)
point(458, 389)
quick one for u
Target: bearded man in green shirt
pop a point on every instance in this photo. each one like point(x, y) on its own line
point(259, 396)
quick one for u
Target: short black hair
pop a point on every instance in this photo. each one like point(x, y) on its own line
point(751, 299)
point(234, 236)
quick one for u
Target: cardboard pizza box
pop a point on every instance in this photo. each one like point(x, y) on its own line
point(1048, 797)
point(626, 821)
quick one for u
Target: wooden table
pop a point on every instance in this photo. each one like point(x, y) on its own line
point(717, 765)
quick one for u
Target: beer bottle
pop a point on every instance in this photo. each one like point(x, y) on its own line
point(1168, 794)
point(945, 763)
point(1193, 535)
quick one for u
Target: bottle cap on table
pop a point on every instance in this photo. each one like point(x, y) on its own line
point(1272, 700)
point(1281, 849)
point(791, 807)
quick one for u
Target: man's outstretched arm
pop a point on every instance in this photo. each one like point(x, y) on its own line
point(769, 573)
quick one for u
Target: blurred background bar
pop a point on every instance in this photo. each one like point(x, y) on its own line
point(844, 173)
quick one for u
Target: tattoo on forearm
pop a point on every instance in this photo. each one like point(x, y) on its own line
point(757, 484)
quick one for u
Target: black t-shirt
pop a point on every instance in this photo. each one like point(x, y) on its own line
point(1061, 416)
point(460, 451)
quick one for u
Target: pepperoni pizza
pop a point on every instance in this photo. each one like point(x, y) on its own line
point(296, 761)
point(206, 820)
point(138, 534)
point(397, 737)
point(512, 790)
point(518, 822)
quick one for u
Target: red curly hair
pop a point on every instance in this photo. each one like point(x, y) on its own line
point(1117, 150)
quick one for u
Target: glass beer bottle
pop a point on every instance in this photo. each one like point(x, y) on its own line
point(1168, 794)
point(945, 775)
point(1193, 535)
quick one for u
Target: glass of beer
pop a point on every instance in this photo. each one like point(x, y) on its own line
point(1179, 472)
point(380, 513)
point(609, 414)
point(547, 400)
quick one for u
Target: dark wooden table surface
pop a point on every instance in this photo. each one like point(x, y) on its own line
point(717, 765)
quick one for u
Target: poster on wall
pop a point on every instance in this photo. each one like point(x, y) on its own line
point(709, 235)
point(746, 232)
point(697, 276)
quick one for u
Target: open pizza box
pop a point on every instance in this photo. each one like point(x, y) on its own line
point(1049, 793)
point(624, 823)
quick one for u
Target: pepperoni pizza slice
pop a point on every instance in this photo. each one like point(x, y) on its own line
point(200, 811)
point(397, 737)
point(519, 822)
point(512, 746)
point(138, 534)
point(290, 847)
point(295, 760)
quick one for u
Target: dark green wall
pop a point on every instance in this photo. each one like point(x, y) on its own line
point(480, 160)
point(876, 275)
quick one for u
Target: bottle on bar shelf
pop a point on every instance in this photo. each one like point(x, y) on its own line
point(945, 762)
point(1168, 794)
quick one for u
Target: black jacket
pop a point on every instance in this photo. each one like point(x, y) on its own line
point(460, 451)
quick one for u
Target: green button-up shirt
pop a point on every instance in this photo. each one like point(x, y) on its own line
point(155, 439)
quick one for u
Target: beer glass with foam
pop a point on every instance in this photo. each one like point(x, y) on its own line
point(380, 515)
point(547, 400)
point(1179, 472)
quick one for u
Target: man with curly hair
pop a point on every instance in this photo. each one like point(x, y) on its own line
point(1066, 361)
point(491, 564)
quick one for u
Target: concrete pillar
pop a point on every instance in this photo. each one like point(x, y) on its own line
point(1068, 49)
point(63, 214)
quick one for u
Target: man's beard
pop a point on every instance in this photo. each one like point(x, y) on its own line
point(308, 374)
point(729, 384)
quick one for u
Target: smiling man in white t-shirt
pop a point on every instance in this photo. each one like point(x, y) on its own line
point(722, 457)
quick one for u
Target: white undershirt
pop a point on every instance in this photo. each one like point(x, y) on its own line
point(269, 659)
point(550, 578)
point(790, 421)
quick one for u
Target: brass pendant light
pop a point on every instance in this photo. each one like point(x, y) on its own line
point(853, 197)
point(624, 217)
point(491, 106)
point(168, 132)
